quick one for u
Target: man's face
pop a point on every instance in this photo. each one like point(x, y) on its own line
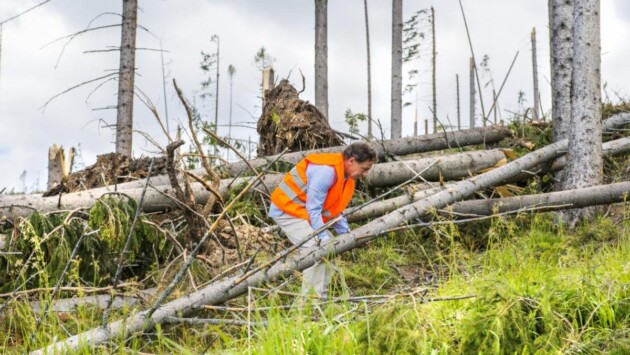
point(354, 169)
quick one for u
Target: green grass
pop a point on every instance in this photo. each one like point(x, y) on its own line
point(532, 287)
point(537, 290)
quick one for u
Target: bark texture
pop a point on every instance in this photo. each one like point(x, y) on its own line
point(396, 96)
point(321, 56)
point(433, 169)
point(124, 118)
point(561, 46)
point(578, 198)
point(561, 56)
point(584, 157)
point(369, 71)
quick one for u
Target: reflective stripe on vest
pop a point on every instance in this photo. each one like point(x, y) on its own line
point(298, 180)
point(290, 193)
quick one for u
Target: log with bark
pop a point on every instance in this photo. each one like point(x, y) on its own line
point(434, 169)
point(98, 301)
point(553, 201)
point(157, 198)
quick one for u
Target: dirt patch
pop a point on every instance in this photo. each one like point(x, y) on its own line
point(109, 169)
point(288, 122)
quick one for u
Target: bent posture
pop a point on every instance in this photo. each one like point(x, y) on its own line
point(315, 191)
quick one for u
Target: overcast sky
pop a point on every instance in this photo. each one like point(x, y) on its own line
point(36, 65)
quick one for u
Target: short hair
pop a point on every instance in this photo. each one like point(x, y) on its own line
point(361, 151)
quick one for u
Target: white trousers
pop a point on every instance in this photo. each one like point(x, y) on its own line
point(318, 276)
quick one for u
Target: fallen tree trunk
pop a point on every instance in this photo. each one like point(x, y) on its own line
point(156, 198)
point(224, 290)
point(434, 169)
point(591, 196)
point(402, 146)
point(610, 148)
point(100, 301)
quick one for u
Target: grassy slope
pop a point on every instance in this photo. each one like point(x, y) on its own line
point(537, 290)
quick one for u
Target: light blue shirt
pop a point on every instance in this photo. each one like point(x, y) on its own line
point(320, 179)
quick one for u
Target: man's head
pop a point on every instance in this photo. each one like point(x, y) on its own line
point(358, 158)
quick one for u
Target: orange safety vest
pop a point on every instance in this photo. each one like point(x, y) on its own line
point(290, 195)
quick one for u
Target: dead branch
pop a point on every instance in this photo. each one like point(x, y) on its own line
point(24, 12)
point(45, 105)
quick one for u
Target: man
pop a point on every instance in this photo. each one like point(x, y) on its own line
point(315, 191)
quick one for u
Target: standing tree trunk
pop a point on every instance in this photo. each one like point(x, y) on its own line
point(433, 65)
point(126, 73)
point(459, 115)
point(321, 56)
point(561, 38)
point(231, 71)
point(369, 70)
point(561, 47)
point(397, 27)
point(1, 51)
point(535, 73)
point(215, 38)
point(584, 156)
point(472, 92)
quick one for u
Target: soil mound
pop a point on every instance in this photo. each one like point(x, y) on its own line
point(288, 122)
